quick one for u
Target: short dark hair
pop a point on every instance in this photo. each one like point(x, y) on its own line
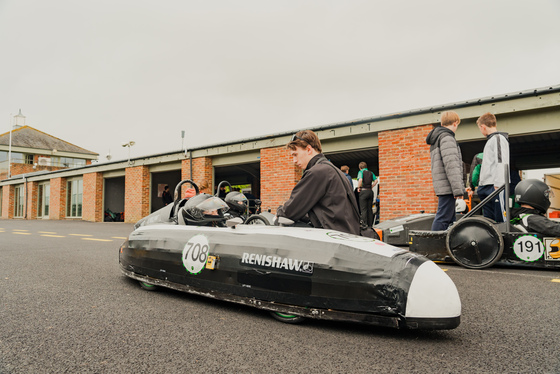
point(345, 168)
point(362, 165)
point(304, 138)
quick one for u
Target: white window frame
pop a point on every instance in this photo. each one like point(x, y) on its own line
point(74, 197)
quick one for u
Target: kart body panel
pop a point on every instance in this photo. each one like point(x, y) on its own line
point(307, 272)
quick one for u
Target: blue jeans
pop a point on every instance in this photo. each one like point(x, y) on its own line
point(445, 214)
point(493, 209)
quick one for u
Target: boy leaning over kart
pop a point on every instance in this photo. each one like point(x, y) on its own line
point(534, 198)
point(323, 195)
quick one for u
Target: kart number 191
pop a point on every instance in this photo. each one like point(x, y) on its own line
point(528, 248)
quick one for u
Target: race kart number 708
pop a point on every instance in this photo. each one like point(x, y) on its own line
point(195, 254)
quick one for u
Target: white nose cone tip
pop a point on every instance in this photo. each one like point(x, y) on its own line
point(432, 295)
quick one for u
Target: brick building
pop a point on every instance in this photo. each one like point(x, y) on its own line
point(393, 146)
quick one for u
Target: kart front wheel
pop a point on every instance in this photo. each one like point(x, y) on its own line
point(256, 219)
point(147, 286)
point(287, 318)
point(475, 243)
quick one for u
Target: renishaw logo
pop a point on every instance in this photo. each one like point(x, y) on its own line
point(276, 262)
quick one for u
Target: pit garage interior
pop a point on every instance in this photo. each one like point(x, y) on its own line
point(114, 198)
point(247, 174)
point(161, 179)
point(527, 152)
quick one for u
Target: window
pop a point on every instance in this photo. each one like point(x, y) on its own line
point(29, 159)
point(44, 198)
point(19, 200)
point(74, 193)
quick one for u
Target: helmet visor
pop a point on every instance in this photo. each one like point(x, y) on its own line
point(211, 205)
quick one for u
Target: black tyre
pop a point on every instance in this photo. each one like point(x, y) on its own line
point(287, 318)
point(147, 286)
point(475, 243)
point(256, 219)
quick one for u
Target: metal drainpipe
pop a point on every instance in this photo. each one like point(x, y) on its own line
point(25, 197)
point(190, 157)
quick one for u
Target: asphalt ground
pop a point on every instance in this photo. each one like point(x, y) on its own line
point(65, 307)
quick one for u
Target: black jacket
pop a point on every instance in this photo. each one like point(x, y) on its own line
point(534, 221)
point(324, 196)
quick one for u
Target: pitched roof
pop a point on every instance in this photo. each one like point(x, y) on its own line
point(28, 137)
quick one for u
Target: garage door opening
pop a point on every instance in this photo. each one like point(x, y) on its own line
point(159, 181)
point(113, 209)
point(245, 177)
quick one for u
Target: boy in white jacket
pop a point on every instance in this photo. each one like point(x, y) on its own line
point(492, 173)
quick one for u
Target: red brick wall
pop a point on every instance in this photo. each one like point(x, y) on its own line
point(202, 174)
point(58, 198)
point(32, 188)
point(18, 169)
point(405, 172)
point(8, 201)
point(137, 193)
point(279, 175)
point(93, 197)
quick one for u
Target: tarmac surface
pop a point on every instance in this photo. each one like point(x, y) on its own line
point(65, 307)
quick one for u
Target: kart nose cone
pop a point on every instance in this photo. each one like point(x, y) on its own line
point(433, 301)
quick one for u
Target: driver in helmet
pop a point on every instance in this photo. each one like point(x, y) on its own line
point(533, 197)
point(204, 210)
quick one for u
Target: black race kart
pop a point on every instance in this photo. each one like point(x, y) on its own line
point(293, 272)
point(473, 241)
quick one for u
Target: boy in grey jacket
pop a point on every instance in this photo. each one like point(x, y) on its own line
point(447, 169)
point(492, 173)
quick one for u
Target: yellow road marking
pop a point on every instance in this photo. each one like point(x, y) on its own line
point(46, 232)
point(119, 237)
point(556, 280)
point(80, 235)
point(22, 233)
point(98, 240)
point(19, 230)
point(54, 236)
point(444, 269)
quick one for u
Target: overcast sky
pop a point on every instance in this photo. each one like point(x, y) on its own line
point(100, 73)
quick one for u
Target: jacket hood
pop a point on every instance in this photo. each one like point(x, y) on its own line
point(433, 136)
point(504, 134)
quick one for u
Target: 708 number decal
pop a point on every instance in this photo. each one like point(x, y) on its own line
point(195, 254)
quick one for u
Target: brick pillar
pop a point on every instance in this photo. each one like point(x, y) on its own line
point(32, 189)
point(137, 193)
point(202, 174)
point(279, 175)
point(8, 201)
point(405, 172)
point(58, 198)
point(93, 197)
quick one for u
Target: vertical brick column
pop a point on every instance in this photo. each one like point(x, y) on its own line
point(32, 189)
point(405, 172)
point(137, 193)
point(93, 197)
point(279, 175)
point(202, 174)
point(8, 201)
point(58, 198)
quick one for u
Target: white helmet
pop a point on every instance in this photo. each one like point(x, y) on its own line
point(460, 206)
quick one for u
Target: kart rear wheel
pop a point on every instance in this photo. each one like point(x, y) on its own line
point(256, 219)
point(147, 286)
point(475, 243)
point(287, 318)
